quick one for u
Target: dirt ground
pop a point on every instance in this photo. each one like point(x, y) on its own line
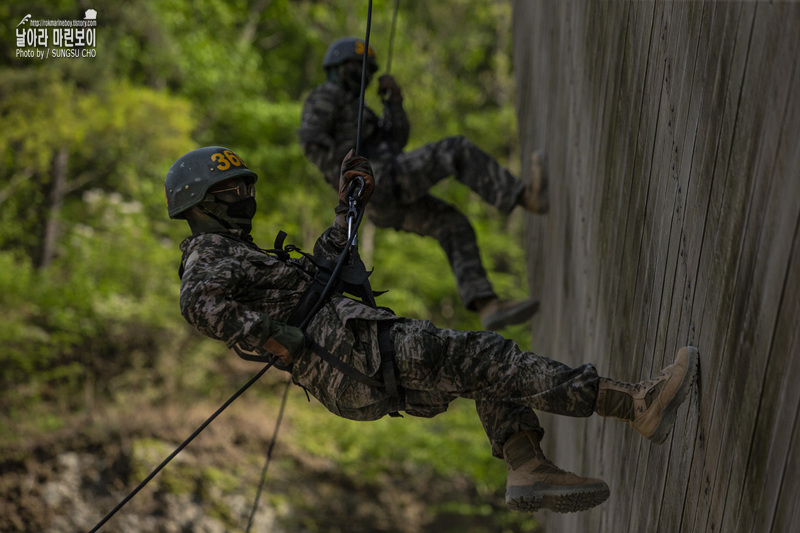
point(69, 479)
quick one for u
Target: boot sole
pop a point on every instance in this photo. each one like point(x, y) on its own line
point(670, 412)
point(556, 498)
point(513, 316)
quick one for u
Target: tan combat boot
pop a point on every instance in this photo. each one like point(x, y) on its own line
point(535, 196)
point(535, 483)
point(496, 313)
point(650, 407)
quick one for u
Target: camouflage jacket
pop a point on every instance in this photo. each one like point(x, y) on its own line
point(234, 292)
point(330, 125)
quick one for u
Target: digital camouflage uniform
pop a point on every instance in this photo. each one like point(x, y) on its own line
point(403, 179)
point(234, 292)
point(350, 355)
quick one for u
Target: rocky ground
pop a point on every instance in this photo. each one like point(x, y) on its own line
point(68, 479)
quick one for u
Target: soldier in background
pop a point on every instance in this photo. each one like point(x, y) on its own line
point(363, 362)
point(402, 200)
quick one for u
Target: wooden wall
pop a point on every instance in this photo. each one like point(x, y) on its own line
point(673, 134)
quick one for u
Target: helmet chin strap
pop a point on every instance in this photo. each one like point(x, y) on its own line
point(220, 214)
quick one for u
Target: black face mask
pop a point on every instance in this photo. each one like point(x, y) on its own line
point(240, 212)
point(348, 76)
point(241, 208)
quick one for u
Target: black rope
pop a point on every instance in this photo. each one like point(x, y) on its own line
point(181, 447)
point(351, 241)
point(269, 456)
point(363, 78)
point(391, 38)
point(340, 262)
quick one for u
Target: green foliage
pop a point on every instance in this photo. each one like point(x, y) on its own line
point(98, 310)
point(413, 444)
point(85, 312)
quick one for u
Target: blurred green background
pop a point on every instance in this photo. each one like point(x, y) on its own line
point(91, 330)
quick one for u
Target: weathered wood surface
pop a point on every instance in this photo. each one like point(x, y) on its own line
point(673, 134)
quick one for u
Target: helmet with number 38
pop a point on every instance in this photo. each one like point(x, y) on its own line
point(190, 177)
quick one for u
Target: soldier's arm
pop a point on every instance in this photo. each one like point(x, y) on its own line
point(396, 117)
point(356, 184)
point(394, 121)
point(331, 243)
point(210, 302)
point(320, 112)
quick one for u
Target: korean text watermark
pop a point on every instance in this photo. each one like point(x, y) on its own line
point(60, 38)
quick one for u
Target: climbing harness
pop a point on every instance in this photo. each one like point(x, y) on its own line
point(340, 277)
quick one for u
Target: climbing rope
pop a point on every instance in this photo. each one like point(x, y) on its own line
point(181, 447)
point(354, 217)
point(363, 78)
point(269, 456)
point(391, 38)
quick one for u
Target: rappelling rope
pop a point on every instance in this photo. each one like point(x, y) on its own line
point(353, 223)
point(181, 447)
point(391, 38)
point(269, 456)
point(354, 217)
point(363, 78)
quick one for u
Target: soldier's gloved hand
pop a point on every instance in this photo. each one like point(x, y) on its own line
point(355, 166)
point(388, 89)
point(276, 348)
point(283, 340)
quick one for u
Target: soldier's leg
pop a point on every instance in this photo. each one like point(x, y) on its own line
point(405, 204)
point(506, 384)
point(498, 375)
point(486, 366)
point(432, 217)
point(533, 481)
point(501, 420)
point(418, 170)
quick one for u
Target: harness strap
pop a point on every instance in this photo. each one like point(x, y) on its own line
point(307, 301)
point(388, 371)
point(279, 250)
point(340, 365)
point(386, 346)
point(355, 281)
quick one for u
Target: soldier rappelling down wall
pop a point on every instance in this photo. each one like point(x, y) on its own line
point(402, 200)
point(233, 291)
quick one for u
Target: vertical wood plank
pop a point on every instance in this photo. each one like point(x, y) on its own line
point(674, 221)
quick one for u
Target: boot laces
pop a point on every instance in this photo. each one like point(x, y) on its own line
point(546, 466)
point(627, 386)
point(641, 385)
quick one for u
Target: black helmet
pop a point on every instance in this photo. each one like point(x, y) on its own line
point(190, 177)
point(347, 48)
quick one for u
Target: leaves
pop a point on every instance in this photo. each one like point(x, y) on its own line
point(170, 76)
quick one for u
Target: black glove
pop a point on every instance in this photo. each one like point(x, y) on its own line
point(388, 89)
point(353, 167)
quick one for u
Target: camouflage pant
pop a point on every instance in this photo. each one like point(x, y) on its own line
point(435, 365)
point(401, 201)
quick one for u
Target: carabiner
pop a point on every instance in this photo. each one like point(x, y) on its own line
point(357, 194)
point(353, 196)
point(352, 214)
